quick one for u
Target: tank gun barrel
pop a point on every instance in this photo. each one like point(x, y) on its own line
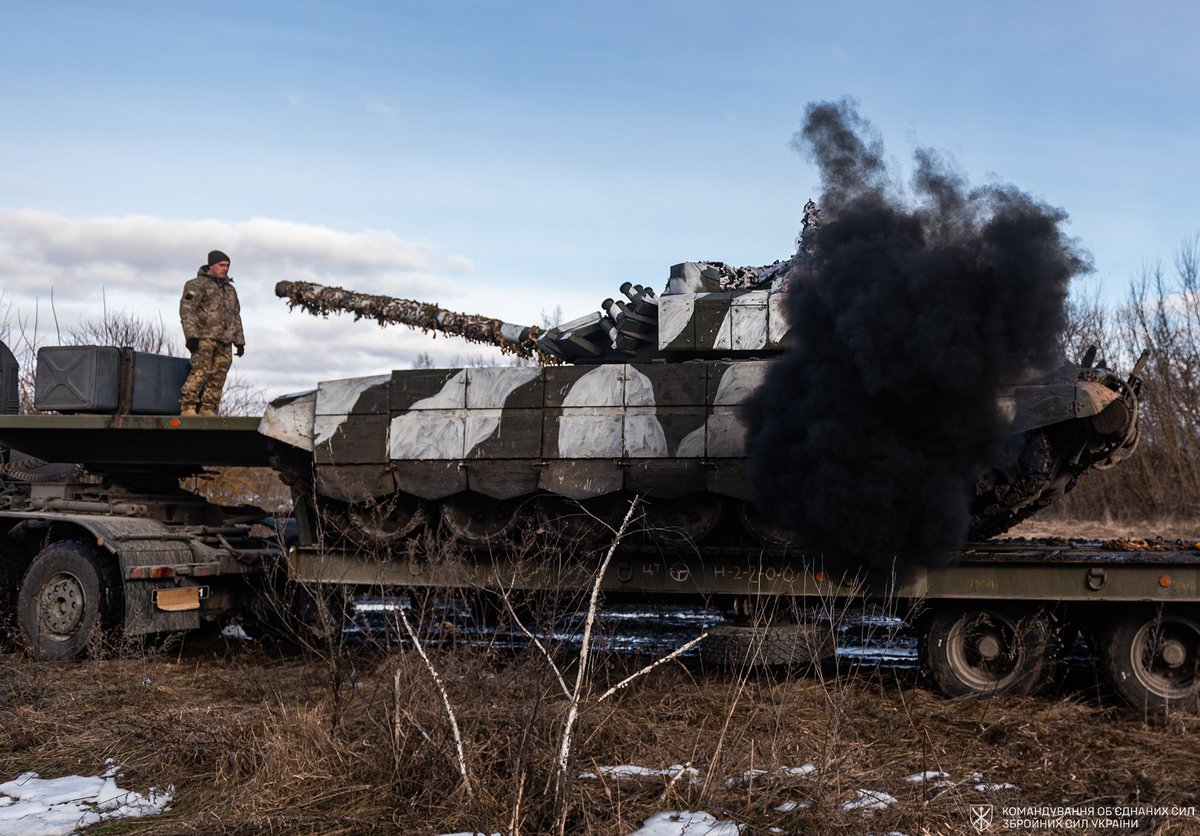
point(320, 300)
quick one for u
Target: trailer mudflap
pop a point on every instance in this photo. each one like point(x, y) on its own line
point(143, 615)
point(179, 598)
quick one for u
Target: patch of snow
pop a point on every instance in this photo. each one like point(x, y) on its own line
point(686, 824)
point(806, 769)
point(927, 775)
point(629, 771)
point(33, 806)
point(789, 806)
point(993, 787)
point(233, 630)
point(869, 800)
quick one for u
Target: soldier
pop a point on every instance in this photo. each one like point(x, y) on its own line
point(212, 322)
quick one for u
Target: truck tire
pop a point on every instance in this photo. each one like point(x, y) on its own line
point(984, 651)
point(1152, 658)
point(66, 602)
point(738, 647)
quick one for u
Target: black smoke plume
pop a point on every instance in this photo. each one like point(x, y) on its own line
point(910, 312)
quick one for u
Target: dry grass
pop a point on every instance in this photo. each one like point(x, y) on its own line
point(1050, 525)
point(254, 743)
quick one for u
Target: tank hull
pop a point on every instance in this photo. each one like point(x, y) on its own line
point(504, 432)
point(660, 430)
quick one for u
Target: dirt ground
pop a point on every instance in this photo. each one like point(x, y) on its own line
point(256, 739)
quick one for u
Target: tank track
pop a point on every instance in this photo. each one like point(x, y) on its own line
point(700, 524)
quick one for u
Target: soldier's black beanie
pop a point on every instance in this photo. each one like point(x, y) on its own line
point(215, 256)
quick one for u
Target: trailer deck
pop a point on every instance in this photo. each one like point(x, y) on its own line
point(1043, 571)
point(104, 442)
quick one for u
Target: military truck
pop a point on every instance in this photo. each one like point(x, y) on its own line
point(97, 536)
point(645, 398)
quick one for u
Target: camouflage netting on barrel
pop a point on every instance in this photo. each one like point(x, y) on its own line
point(321, 300)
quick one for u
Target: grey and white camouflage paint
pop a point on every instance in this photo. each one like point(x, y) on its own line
point(571, 430)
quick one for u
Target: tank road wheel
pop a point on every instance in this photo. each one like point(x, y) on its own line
point(477, 519)
point(792, 646)
point(685, 519)
point(585, 521)
point(763, 529)
point(385, 521)
point(66, 600)
point(977, 652)
point(1152, 658)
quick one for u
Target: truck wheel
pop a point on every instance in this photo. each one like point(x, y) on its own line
point(737, 646)
point(1152, 658)
point(979, 652)
point(65, 602)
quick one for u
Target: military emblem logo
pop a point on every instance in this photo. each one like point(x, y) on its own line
point(981, 817)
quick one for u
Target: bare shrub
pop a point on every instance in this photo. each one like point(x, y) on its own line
point(124, 329)
point(1162, 314)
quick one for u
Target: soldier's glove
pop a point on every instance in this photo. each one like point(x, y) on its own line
point(193, 344)
point(241, 349)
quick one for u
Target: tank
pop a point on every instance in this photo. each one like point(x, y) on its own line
point(645, 396)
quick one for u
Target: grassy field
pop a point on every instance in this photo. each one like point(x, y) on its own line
point(256, 739)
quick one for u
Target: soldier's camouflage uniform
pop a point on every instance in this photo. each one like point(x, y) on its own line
point(211, 314)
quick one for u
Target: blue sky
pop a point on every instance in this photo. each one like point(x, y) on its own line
point(511, 157)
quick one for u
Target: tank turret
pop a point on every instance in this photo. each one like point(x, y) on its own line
point(608, 413)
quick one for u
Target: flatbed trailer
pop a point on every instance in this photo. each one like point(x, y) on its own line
point(993, 620)
point(1076, 572)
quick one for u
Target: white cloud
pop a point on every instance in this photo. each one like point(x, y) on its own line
point(39, 250)
point(64, 269)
